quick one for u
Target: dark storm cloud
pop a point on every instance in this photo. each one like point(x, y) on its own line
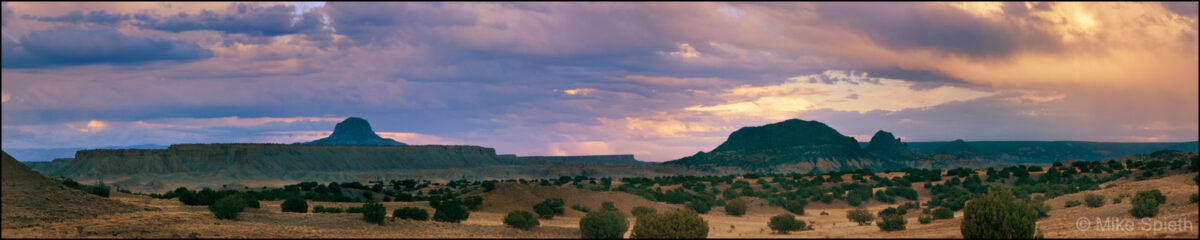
point(1190, 9)
point(249, 19)
point(77, 17)
point(940, 27)
point(70, 47)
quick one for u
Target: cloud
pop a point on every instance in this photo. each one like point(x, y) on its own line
point(579, 91)
point(830, 90)
point(685, 51)
point(250, 19)
point(61, 47)
point(671, 81)
point(78, 17)
point(1188, 9)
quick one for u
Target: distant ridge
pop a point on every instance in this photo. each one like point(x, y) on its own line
point(355, 131)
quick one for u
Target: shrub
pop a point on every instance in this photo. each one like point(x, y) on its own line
point(862, 216)
point(891, 222)
point(100, 190)
point(374, 212)
point(607, 205)
point(521, 219)
point(71, 183)
point(1093, 200)
point(1116, 200)
point(683, 223)
point(451, 211)
point(544, 210)
point(1070, 204)
point(581, 208)
point(604, 224)
point(411, 213)
point(794, 206)
point(925, 219)
point(642, 210)
point(488, 186)
point(1193, 198)
point(699, 205)
point(473, 202)
point(1145, 203)
point(736, 207)
point(556, 204)
point(228, 207)
point(943, 213)
point(823, 213)
point(996, 215)
point(295, 204)
point(784, 223)
point(249, 200)
point(321, 209)
point(355, 210)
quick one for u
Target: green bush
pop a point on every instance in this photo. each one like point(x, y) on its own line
point(451, 211)
point(544, 210)
point(784, 223)
point(683, 223)
point(1094, 200)
point(1116, 200)
point(100, 190)
point(412, 213)
point(1070, 204)
point(581, 208)
point(604, 224)
point(642, 210)
point(355, 210)
point(698, 205)
point(322, 209)
point(608, 205)
point(862, 216)
point(295, 204)
point(374, 212)
point(1145, 203)
point(251, 201)
point(891, 222)
point(472, 203)
point(925, 219)
point(736, 207)
point(228, 207)
point(521, 219)
point(71, 183)
point(1193, 198)
point(996, 215)
point(943, 213)
point(556, 204)
point(488, 186)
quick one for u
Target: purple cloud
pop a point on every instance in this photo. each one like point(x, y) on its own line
point(73, 46)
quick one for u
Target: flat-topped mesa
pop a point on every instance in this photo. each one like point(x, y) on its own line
point(621, 159)
point(790, 133)
point(354, 131)
point(272, 160)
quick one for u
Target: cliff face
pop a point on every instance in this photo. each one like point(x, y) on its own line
point(268, 160)
point(796, 145)
point(624, 159)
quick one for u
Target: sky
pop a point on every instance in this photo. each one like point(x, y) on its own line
point(658, 80)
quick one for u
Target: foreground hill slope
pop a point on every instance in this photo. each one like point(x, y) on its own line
point(29, 197)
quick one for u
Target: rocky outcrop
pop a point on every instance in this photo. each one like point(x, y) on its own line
point(623, 159)
point(268, 160)
point(355, 131)
point(791, 144)
point(886, 145)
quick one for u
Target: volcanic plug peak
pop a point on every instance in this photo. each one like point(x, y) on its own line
point(355, 131)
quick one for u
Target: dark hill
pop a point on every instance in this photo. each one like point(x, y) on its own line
point(355, 131)
point(792, 145)
point(886, 145)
